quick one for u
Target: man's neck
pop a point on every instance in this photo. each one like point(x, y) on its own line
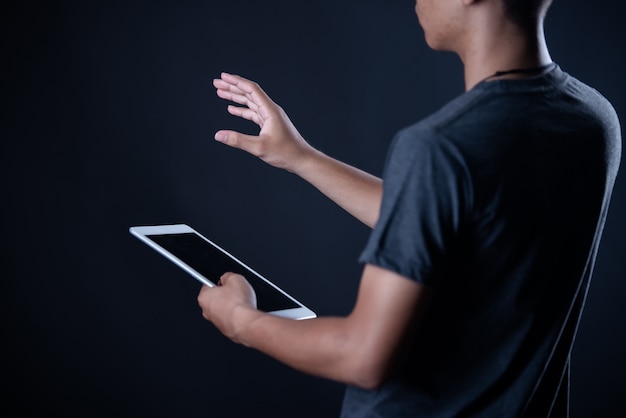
point(505, 50)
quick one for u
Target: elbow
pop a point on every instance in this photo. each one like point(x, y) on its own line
point(365, 362)
point(367, 372)
point(368, 379)
point(368, 384)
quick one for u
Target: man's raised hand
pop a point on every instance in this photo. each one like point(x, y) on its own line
point(279, 143)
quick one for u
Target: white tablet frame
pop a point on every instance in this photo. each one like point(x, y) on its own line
point(141, 232)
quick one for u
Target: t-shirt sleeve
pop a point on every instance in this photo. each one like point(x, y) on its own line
point(424, 195)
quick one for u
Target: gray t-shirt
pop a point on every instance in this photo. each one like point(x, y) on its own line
point(496, 203)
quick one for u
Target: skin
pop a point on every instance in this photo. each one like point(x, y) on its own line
point(482, 36)
point(363, 347)
point(358, 349)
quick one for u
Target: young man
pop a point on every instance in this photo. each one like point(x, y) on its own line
point(484, 234)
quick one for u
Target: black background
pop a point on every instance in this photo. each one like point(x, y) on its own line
point(107, 118)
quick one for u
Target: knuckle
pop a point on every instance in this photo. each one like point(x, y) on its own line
point(233, 140)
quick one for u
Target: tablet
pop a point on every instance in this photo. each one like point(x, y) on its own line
point(206, 262)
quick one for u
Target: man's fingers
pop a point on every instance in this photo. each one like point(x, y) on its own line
point(227, 94)
point(246, 113)
point(236, 80)
point(224, 278)
point(249, 88)
point(218, 83)
point(230, 92)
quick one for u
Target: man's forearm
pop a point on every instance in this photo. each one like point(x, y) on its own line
point(325, 347)
point(356, 191)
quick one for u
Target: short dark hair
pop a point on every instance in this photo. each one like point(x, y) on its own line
point(526, 12)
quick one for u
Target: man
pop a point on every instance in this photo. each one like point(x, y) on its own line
point(484, 233)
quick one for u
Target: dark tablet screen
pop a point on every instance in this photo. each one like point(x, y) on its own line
point(210, 262)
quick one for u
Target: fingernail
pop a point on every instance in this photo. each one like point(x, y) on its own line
point(221, 137)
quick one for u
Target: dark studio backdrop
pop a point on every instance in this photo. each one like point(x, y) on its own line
point(106, 121)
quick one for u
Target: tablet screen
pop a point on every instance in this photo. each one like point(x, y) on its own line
point(210, 262)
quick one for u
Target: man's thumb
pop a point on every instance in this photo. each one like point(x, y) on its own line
point(235, 139)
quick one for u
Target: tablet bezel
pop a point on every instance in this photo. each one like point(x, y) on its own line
point(142, 232)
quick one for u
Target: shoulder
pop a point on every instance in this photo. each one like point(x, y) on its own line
point(593, 103)
point(594, 116)
point(424, 163)
point(440, 145)
point(462, 108)
point(439, 137)
point(421, 148)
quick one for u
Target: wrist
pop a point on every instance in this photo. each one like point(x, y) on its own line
point(307, 162)
point(244, 318)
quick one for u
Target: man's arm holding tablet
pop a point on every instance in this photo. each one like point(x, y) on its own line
point(359, 349)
